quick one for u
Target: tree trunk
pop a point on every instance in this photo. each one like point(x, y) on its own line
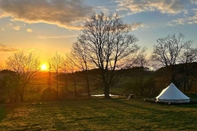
point(15, 96)
point(88, 84)
point(105, 84)
point(49, 85)
point(142, 90)
point(142, 81)
point(21, 98)
point(106, 92)
point(75, 86)
point(184, 85)
point(57, 85)
point(21, 94)
point(88, 90)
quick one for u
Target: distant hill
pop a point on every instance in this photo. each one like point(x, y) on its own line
point(137, 80)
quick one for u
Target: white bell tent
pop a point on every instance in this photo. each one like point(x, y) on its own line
point(172, 94)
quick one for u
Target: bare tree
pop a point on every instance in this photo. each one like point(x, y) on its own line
point(72, 68)
point(188, 54)
point(56, 65)
point(81, 61)
point(187, 57)
point(142, 62)
point(24, 66)
point(109, 46)
point(168, 50)
point(49, 81)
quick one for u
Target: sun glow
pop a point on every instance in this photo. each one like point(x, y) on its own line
point(43, 67)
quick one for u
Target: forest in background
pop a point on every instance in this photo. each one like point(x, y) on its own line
point(139, 81)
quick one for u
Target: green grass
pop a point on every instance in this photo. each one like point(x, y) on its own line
point(98, 114)
point(2, 112)
point(5, 109)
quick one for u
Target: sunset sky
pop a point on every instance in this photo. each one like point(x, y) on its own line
point(48, 26)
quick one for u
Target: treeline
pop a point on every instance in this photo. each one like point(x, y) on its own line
point(139, 81)
point(106, 44)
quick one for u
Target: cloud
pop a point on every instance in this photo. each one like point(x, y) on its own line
point(17, 28)
point(56, 37)
point(185, 20)
point(29, 30)
point(135, 26)
point(10, 24)
point(103, 9)
point(64, 13)
point(33, 50)
point(193, 1)
point(7, 48)
point(164, 6)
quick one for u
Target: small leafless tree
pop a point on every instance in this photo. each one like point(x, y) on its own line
point(143, 63)
point(109, 46)
point(72, 68)
point(56, 63)
point(167, 52)
point(49, 81)
point(81, 61)
point(187, 57)
point(24, 66)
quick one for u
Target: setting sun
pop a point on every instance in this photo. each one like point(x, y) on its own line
point(43, 67)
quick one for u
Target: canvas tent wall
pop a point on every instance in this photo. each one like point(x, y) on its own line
point(172, 94)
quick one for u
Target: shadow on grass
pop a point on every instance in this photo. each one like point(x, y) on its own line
point(5, 109)
point(114, 114)
point(2, 112)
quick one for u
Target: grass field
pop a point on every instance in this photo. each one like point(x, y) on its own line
point(98, 114)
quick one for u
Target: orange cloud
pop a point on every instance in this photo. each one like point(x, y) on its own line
point(7, 49)
point(64, 13)
point(29, 30)
point(16, 28)
point(56, 37)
